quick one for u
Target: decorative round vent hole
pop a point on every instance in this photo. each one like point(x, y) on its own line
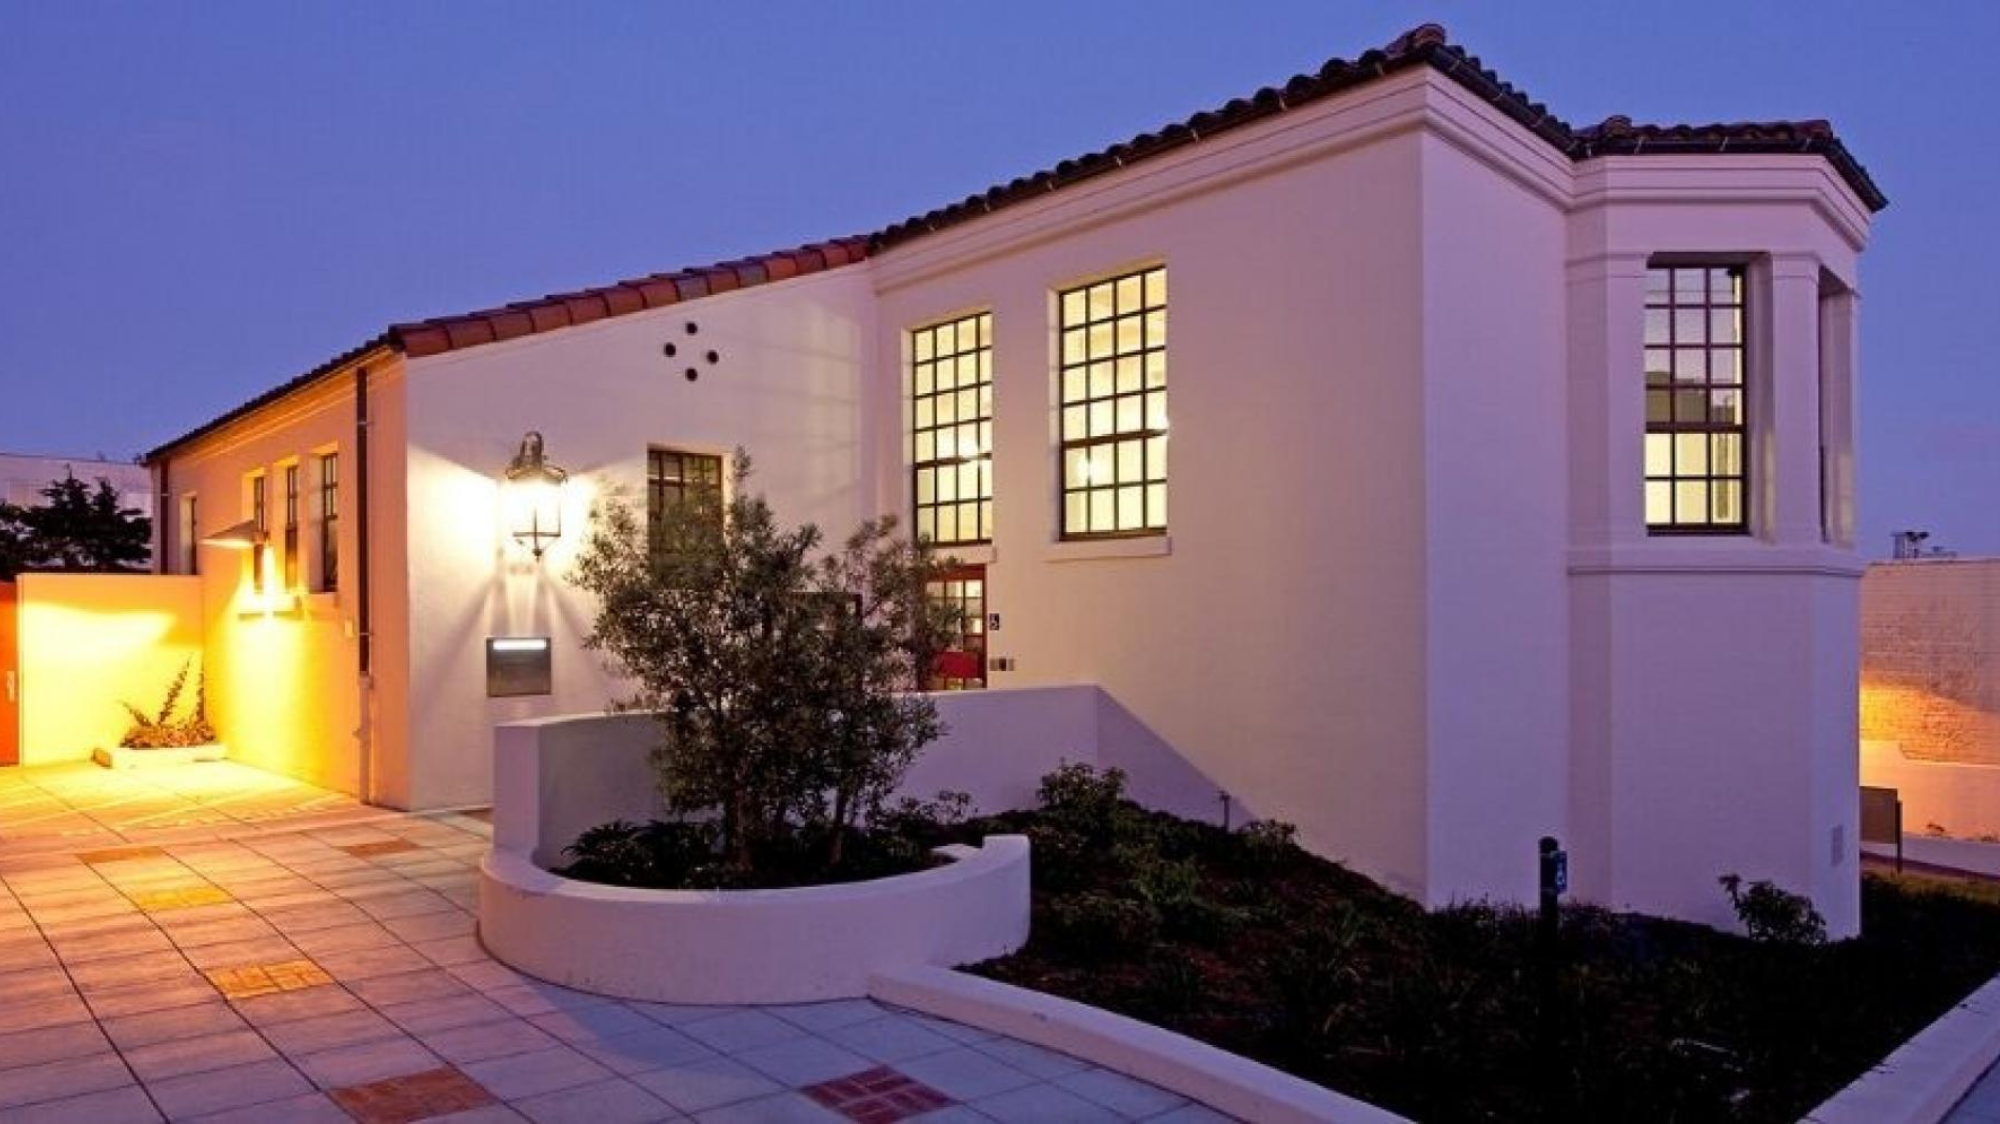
point(671, 350)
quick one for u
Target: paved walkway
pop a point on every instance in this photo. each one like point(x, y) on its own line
point(332, 973)
point(78, 805)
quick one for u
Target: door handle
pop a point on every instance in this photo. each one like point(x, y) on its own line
point(11, 691)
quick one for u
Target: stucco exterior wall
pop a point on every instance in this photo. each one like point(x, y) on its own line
point(284, 686)
point(1495, 527)
point(92, 641)
point(1277, 646)
point(1713, 678)
point(787, 386)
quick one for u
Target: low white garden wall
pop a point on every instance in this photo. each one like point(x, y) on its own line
point(1963, 800)
point(557, 777)
point(753, 946)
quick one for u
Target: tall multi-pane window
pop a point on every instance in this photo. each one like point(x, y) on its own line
point(952, 430)
point(260, 517)
point(190, 536)
point(291, 526)
point(1696, 419)
point(675, 479)
point(1114, 406)
point(329, 522)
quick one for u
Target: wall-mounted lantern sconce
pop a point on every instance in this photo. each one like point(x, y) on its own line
point(243, 536)
point(534, 496)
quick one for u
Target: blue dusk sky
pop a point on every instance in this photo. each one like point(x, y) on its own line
point(201, 200)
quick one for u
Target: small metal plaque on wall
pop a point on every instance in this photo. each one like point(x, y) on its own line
point(517, 665)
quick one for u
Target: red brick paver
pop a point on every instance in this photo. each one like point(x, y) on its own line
point(877, 1096)
point(419, 1096)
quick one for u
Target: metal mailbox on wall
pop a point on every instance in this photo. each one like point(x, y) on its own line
point(518, 665)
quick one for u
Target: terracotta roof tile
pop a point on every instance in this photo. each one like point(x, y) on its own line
point(1427, 45)
point(659, 291)
point(622, 299)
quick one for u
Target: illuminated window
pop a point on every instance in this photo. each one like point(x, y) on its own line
point(329, 522)
point(260, 515)
point(962, 665)
point(676, 479)
point(190, 537)
point(1114, 406)
point(952, 430)
point(291, 526)
point(1696, 426)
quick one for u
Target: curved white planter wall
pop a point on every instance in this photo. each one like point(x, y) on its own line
point(709, 946)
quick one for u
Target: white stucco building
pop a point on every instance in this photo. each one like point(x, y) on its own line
point(1510, 490)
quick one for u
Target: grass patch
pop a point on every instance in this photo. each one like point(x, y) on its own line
point(1243, 940)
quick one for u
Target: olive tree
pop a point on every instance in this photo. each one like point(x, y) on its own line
point(784, 676)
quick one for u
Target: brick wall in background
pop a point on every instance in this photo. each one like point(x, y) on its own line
point(1930, 658)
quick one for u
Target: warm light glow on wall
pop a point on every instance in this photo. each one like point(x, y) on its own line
point(1928, 725)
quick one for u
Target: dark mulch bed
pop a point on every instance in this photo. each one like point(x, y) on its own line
point(1248, 943)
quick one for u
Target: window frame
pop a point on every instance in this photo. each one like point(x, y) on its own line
point(1673, 429)
point(327, 580)
point(190, 532)
point(981, 462)
point(656, 486)
point(260, 518)
point(290, 568)
point(1150, 438)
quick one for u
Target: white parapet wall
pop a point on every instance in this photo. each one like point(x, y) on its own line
point(555, 778)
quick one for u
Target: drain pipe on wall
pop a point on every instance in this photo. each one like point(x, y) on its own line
point(363, 638)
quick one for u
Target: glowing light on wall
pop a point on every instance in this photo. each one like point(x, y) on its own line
point(534, 496)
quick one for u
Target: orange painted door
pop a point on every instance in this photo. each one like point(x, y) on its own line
point(10, 674)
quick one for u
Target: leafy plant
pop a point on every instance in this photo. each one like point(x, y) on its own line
point(1773, 915)
point(161, 730)
point(1097, 926)
point(783, 676)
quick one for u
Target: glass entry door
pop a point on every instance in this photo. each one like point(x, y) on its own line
point(962, 665)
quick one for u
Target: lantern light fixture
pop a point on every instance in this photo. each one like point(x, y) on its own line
point(534, 496)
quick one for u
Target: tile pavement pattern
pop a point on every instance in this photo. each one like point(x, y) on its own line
point(77, 805)
point(332, 973)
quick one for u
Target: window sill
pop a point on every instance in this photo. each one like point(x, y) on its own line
point(971, 555)
point(1091, 550)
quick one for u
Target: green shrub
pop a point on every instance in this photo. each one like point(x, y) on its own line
point(658, 854)
point(1773, 915)
point(1267, 843)
point(910, 829)
point(1078, 791)
point(1094, 927)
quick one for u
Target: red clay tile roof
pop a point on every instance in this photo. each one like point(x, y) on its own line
point(564, 310)
point(1426, 45)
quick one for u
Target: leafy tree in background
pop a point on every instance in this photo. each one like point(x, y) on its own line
point(77, 529)
point(785, 679)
